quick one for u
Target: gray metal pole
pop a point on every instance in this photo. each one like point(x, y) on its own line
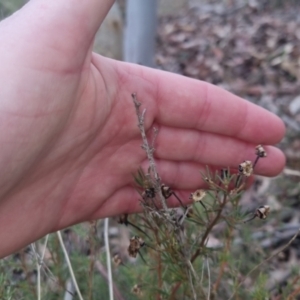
point(140, 32)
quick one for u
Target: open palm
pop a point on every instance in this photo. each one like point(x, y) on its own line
point(69, 136)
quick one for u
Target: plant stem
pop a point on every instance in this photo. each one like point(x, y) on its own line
point(92, 232)
point(203, 240)
point(108, 259)
point(149, 150)
point(159, 267)
point(209, 228)
point(223, 263)
point(208, 274)
point(69, 264)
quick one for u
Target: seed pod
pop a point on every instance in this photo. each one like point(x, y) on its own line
point(117, 260)
point(123, 219)
point(136, 289)
point(136, 243)
point(263, 211)
point(166, 191)
point(260, 151)
point(149, 193)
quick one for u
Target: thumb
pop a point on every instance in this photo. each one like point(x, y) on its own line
point(67, 27)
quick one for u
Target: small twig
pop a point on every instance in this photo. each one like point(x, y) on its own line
point(51, 276)
point(193, 270)
point(42, 257)
point(124, 220)
point(203, 240)
point(39, 263)
point(198, 283)
point(159, 264)
point(264, 261)
point(192, 284)
point(70, 290)
point(141, 230)
point(256, 160)
point(184, 207)
point(224, 262)
point(108, 259)
point(37, 260)
point(155, 133)
point(142, 257)
point(101, 269)
point(189, 266)
point(209, 228)
point(182, 217)
point(149, 150)
point(69, 264)
point(91, 239)
point(238, 179)
point(202, 274)
point(208, 274)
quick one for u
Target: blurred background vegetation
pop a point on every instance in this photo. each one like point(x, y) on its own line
point(251, 48)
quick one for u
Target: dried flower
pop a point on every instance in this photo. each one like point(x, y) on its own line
point(136, 289)
point(166, 191)
point(117, 260)
point(260, 151)
point(136, 243)
point(123, 219)
point(263, 211)
point(149, 193)
point(246, 168)
point(198, 195)
point(190, 212)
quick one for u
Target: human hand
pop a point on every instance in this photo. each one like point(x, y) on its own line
point(69, 136)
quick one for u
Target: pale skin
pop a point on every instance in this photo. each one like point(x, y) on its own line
point(68, 129)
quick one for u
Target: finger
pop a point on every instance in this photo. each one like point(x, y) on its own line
point(214, 150)
point(208, 108)
point(74, 17)
point(187, 103)
point(186, 176)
